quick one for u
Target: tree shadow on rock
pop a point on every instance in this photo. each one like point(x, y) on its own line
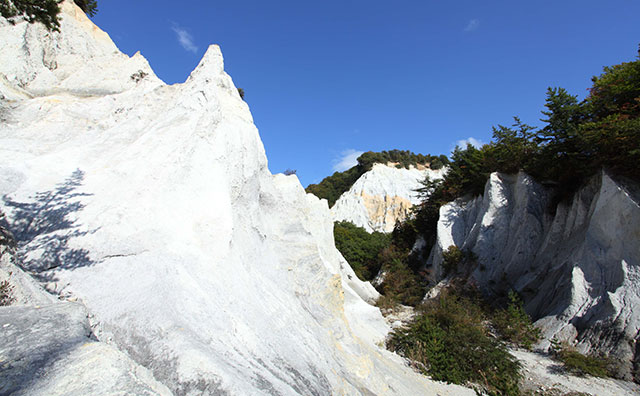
point(43, 228)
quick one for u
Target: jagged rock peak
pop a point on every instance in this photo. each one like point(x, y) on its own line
point(152, 206)
point(211, 64)
point(81, 59)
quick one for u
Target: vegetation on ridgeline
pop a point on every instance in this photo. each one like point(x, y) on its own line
point(42, 11)
point(45, 11)
point(332, 187)
point(578, 139)
point(90, 7)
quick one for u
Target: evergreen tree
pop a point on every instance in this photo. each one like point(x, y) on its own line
point(43, 11)
point(90, 7)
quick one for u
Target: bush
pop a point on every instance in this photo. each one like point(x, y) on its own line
point(6, 293)
point(139, 76)
point(400, 283)
point(360, 248)
point(450, 342)
point(579, 364)
point(514, 324)
point(451, 258)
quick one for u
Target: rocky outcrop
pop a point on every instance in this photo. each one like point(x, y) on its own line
point(153, 207)
point(47, 346)
point(48, 350)
point(381, 197)
point(576, 265)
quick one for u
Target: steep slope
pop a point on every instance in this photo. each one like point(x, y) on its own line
point(381, 197)
point(577, 269)
point(47, 346)
point(152, 205)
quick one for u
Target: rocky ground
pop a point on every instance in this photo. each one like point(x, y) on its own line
point(545, 376)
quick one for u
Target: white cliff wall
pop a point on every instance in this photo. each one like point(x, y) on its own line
point(152, 206)
point(381, 197)
point(577, 269)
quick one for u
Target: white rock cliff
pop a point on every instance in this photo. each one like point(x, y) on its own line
point(152, 207)
point(382, 196)
point(577, 268)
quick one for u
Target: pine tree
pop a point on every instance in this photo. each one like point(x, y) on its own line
point(44, 11)
point(90, 7)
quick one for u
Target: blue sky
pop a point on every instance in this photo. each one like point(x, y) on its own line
point(327, 80)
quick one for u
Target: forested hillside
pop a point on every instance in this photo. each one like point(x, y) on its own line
point(335, 185)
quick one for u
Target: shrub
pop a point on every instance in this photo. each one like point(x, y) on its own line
point(6, 293)
point(451, 259)
point(579, 364)
point(241, 93)
point(400, 283)
point(290, 172)
point(514, 324)
point(360, 248)
point(449, 342)
point(139, 76)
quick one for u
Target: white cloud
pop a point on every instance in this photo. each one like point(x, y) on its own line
point(185, 39)
point(348, 158)
point(472, 141)
point(472, 25)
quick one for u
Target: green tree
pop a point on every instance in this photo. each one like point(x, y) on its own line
point(90, 7)
point(612, 129)
point(43, 11)
point(360, 248)
point(512, 148)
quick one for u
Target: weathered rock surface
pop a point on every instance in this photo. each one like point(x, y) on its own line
point(578, 269)
point(543, 375)
point(153, 206)
point(47, 346)
point(381, 197)
point(47, 350)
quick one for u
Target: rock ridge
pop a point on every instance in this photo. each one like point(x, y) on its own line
point(576, 269)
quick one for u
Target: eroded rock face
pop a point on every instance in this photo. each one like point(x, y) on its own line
point(152, 206)
point(577, 268)
point(48, 350)
point(381, 197)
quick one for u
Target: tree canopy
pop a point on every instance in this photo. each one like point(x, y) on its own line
point(90, 7)
point(42, 11)
point(578, 139)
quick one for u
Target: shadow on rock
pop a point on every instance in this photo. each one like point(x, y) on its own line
point(44, 226)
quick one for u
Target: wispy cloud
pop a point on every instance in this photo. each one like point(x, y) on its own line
point(184, 38)
point(347, 159)
point(472, 141)
point(472, 25)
